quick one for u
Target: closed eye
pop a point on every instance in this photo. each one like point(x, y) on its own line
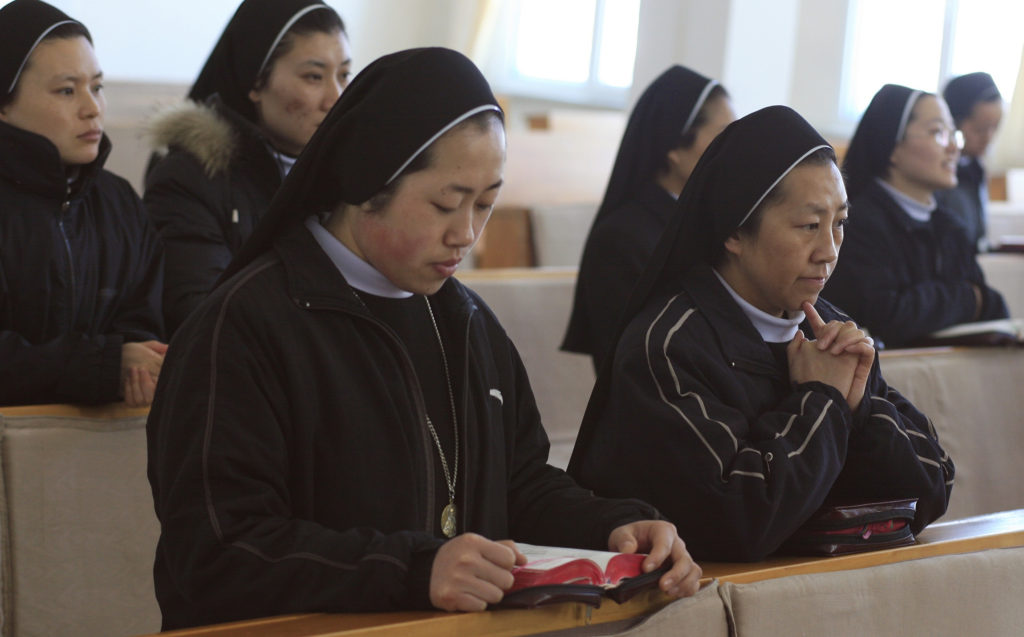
point(444, 209)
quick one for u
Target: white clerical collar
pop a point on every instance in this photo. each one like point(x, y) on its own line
point(359, 274)
point(773, 329)
point(914, 208)
point(284, 162)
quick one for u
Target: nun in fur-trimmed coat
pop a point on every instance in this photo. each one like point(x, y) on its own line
point(737, 401)
point(278, 68)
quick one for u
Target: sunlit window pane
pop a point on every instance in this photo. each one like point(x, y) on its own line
point(989, 38)
point(555, 39)
point(618, 42)
point(893, 42)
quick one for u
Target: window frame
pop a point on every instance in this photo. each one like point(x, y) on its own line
point(509, 81)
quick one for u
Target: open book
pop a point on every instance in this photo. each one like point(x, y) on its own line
point(1009, 331)
point(1009, 243)
point(553, 574)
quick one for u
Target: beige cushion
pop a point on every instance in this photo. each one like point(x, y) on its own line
point(1005, 272)
point(974, 399)
point(703, 614)
point(559, 232)
point(80, 525)
point(971, 594)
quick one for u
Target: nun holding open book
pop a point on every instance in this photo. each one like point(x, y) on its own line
point(343, 426)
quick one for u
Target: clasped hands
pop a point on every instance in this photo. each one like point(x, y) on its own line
point(840, 355)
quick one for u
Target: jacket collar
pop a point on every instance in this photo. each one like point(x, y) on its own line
point(33, 163)
point(655, 198)
point(737, 337)
point(892, 210)
point(315, 282)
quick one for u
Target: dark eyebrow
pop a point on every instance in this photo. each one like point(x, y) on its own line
point(76, 78)
point(466, 190)
point(821, 210)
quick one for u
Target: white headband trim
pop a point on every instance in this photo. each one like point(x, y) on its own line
point(909, 106)
point(14, 82)
point(700, 102)
point(780, 178)
point(455, 122)
point(287, 25)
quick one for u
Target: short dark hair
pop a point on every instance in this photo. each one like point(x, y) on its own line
point(66, 31)
point(683, 140)
point(481, 121)
point(324, 20)
point(750, 227)
point(689, 138)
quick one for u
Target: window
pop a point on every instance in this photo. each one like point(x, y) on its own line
point(923, 43)
point(570, 50)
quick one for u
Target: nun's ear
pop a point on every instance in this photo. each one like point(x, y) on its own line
point(734, 244)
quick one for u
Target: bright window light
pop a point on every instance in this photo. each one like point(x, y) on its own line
point(893, 43)
point(988, 37)
point(619, 24)
point(555, 39)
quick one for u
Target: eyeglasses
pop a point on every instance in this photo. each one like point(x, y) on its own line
point(942, 136)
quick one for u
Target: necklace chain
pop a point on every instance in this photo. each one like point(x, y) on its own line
point(450, 476)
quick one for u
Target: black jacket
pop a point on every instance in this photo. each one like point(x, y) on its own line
point(80, 274)
point(703, 422)
point(205, 196)
point(904, 279)
point(968, 200)
point(617, 249)
point(291, 464)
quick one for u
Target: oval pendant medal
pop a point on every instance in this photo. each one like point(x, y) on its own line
point(448, 520)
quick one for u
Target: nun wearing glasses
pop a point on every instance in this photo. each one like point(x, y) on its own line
point(276, 71)
point(737, 400)
point(908, 269)
point(342, 426)
point(672, 123)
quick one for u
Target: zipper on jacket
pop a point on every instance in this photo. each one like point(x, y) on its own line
point(464, 434)
point(417, 394)
point(64, 207)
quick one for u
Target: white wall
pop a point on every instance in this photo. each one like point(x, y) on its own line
point(764, 51)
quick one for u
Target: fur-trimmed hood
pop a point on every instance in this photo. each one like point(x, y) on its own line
point(199, 129)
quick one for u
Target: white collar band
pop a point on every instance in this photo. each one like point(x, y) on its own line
point(359, 273)
point(700, 102)
point(42, 36)
point(287, 25)
point(773, 329)
point(452, 124)
point(780, 178)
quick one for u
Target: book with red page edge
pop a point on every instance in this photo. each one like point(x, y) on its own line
point(854, 527)
point(553, 575)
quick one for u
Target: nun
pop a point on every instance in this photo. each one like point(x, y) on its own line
point(274, 74)
point(907, 269)
point(80, 266)
point(977, 109)
point(341, 425)
point(736, 400)
point(672, 123)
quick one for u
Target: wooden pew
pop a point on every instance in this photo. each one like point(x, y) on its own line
point(965, 537)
